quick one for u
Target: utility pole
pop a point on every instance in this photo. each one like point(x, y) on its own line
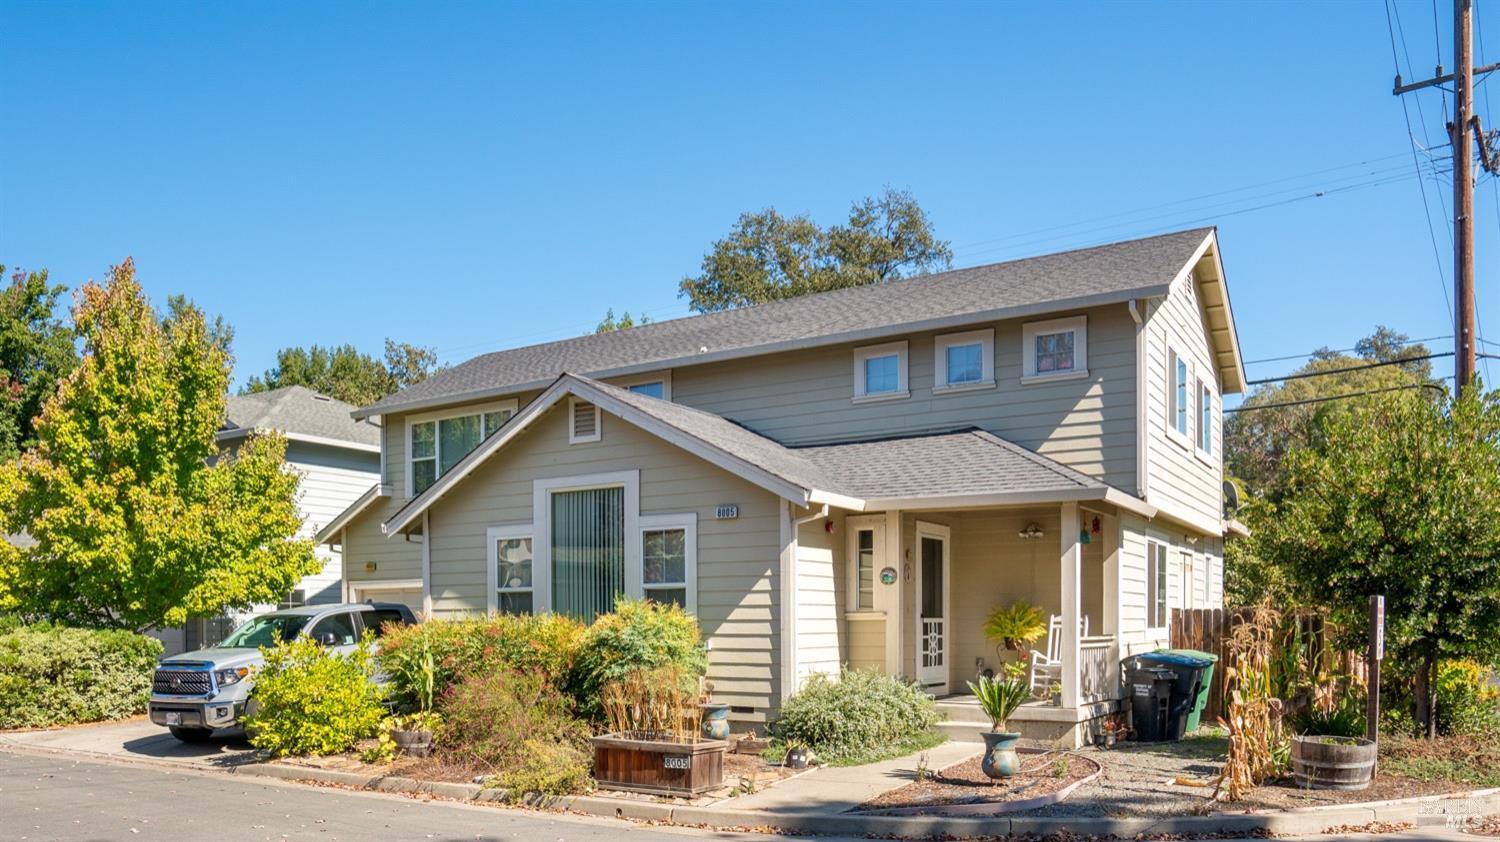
point(1463, 195)
point(1464, 130)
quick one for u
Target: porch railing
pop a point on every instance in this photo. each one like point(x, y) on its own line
point(1096, 668)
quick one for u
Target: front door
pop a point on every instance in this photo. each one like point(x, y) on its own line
point(932, 607)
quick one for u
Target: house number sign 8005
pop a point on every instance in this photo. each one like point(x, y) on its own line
point(677, 761)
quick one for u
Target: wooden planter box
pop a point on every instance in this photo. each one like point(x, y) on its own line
point(658, 764)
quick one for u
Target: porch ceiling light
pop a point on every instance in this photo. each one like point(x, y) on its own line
point(1032, 531)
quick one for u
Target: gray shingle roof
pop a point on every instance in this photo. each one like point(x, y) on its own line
point(298, 410)
point(1085, 277)
point(962, 462)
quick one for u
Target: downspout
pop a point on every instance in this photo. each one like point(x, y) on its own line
point(1142, 451)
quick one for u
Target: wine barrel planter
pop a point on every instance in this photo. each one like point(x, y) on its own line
point(1346, 763)
point(658, 764)
point(413, 743)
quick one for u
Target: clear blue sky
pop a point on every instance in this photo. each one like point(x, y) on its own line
point(479, 176)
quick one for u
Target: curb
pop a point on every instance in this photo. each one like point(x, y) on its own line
point(1429, 809)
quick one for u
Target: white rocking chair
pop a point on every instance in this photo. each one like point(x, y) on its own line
point(1046, 669)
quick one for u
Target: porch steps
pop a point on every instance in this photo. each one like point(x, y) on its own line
point(963, 720)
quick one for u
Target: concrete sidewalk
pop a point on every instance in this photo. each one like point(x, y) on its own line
point(837, 789)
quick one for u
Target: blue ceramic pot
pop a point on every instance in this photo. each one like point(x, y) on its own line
point(716, 721)
point(1000, 759)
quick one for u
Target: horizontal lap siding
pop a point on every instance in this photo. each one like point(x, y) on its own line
point(804, 396)
point(867, 644)
point(818, 644)
point(332, 478)
point(395, 557)
point(738, 580)
point(1178, 479)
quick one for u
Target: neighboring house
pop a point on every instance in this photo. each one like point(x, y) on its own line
point(337, 457)
point(856, 477)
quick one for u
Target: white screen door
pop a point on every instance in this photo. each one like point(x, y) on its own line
point(932, 607)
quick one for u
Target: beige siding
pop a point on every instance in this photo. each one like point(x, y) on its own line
point(738, 579)
point(397, 557)
point(804, 396)
point(332, 478)
point(867, 643)
point(818, 623)
point(1181, 480)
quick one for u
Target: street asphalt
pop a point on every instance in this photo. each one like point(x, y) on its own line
point(59, 798)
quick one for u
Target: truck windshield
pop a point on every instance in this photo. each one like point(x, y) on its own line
point(266, 631)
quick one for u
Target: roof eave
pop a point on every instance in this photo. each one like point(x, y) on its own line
point(884, 331)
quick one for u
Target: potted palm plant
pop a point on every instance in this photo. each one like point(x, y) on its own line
point(1015, 628)
point(999, 698)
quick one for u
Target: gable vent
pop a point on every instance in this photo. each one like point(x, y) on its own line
point(585, 422)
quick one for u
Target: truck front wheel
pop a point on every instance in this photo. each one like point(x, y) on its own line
point(192, 735)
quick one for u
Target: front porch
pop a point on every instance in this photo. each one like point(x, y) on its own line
point(920, 585)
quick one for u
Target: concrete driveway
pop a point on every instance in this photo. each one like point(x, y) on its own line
point(134, 739)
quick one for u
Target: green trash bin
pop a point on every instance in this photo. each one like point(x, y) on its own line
point(1200, 704)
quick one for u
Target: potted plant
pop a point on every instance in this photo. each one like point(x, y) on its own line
point(655, 743)
point(796, 755)
point(715, 714)
point(999, 698)
point(1015, 628)
point(413, 733)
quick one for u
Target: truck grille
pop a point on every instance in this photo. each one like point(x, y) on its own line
point(182, 682)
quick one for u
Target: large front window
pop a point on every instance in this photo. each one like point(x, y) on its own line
point(588, 551)
point(437, 444)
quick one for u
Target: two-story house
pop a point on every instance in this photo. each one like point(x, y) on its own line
point(336, 458)
point(855, 477)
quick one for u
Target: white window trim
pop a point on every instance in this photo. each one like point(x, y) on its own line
point(1153, 548)
point(985, 339)
point(688, 523)
point(903, 389)
point(1183, 438)
point(855, 526)
point(598, 423)
point(496, 534)
point(541, 542)
point(438, 415)
point(664, 378)
point(1200, 431)
point(1031, 330)
point(1188, 575)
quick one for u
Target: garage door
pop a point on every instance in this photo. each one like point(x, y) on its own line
point(411, 595)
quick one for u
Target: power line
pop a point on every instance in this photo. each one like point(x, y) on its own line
point(1346, 369)
point(1494, 187)
point(1337, 351)
point(1305, 401)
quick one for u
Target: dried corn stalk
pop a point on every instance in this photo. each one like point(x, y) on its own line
point(1257, 744)
point(653, 704)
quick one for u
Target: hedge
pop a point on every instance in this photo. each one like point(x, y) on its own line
point(56, 675)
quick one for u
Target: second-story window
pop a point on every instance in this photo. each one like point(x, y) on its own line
point(1177, 394)
point(1205, 418)
point(1054, 349)
point(880, 371)
point(437, 444)
point(964, 361)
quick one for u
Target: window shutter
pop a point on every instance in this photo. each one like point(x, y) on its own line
point(585, 421)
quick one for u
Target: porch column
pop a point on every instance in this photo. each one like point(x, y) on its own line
point(1072, 603)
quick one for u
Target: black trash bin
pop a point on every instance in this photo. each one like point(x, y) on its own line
point(1150, 689)
point(1191, 670)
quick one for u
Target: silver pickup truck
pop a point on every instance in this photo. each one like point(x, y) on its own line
point(199, 692)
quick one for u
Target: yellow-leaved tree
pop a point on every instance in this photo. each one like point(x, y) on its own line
point(138, 520)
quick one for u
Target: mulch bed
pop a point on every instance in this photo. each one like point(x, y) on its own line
point(1286, 795)
point(966, 783)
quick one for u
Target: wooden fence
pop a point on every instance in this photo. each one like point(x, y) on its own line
point(1208, 630)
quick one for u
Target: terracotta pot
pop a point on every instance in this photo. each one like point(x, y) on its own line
point(1000, 758)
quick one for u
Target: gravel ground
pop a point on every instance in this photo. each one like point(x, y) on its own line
point(1137, 780)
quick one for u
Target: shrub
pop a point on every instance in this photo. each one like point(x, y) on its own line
point(312, 700)
point(1468, 703)
point(492, 723)
point(550, 769)
point(55, 675)
point(638, 635)
point(543, 644)
point(860, 718)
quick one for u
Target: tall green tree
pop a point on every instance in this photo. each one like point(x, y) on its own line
point(37, 350)
point(768, 257)
point(1257, 441)
point(346, 373)
point(1401, 497)
point(134, 527)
